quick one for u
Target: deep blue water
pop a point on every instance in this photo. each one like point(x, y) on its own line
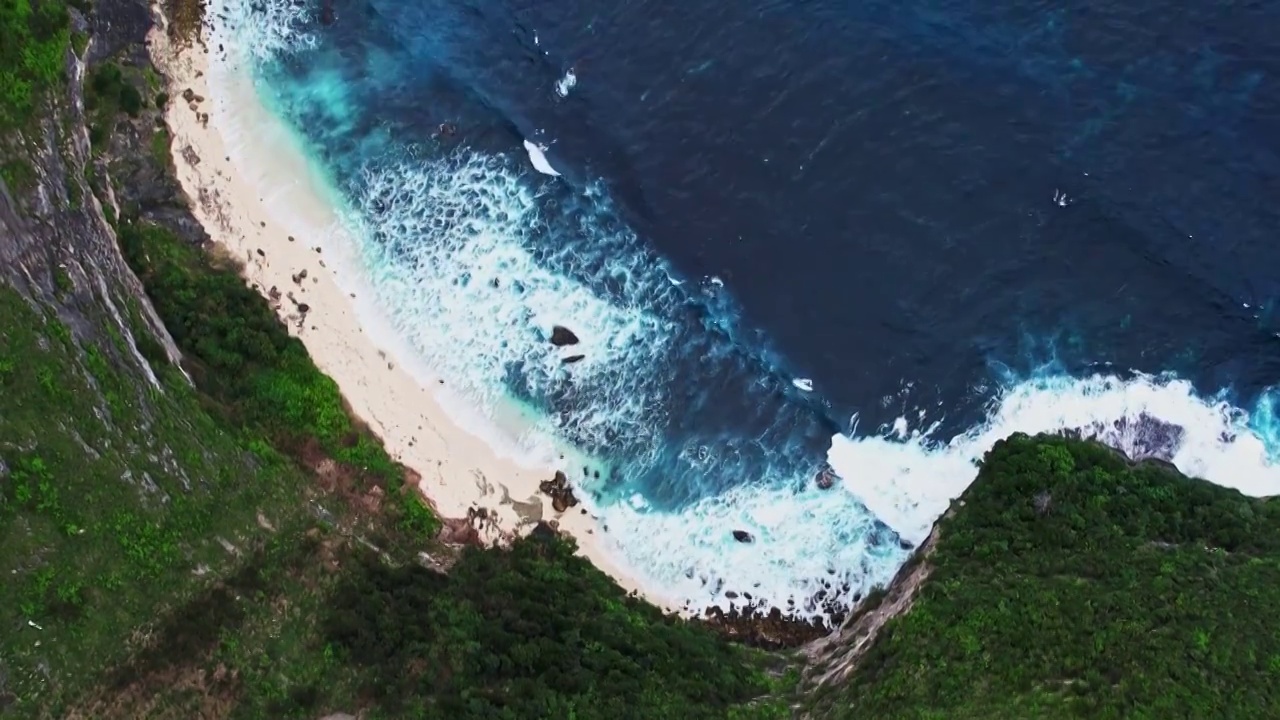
point(919, 206)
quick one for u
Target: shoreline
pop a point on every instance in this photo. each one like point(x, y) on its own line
point(281, 257)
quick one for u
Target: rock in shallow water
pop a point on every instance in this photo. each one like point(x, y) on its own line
point(561, 336)
point(743, 536)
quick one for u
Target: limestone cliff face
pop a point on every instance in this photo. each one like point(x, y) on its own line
point(102, 437)
point(58, 247)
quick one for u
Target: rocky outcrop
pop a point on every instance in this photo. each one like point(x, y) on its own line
point(111, 411)
point(57, 241)
point(767, 630)
point(834, 658)
point(561, 336)
point(560, 492)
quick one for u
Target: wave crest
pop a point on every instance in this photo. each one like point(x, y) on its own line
point(698, 429)
point(255, 32)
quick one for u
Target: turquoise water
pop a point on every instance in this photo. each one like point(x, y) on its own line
point(726, 362)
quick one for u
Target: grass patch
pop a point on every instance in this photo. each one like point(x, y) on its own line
point(18, 174)
point(79, 43)
point(160, 146)
point(62, 279)
point(114, 494)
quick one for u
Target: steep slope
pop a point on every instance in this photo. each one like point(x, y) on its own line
point(1069, 582)
point(191, 523)
point(120, 492)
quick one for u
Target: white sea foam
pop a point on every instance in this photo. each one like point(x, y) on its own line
point(908, 483)
point(566, 83)
point(807, 540)
point(538, 157)
point(456, 260)
point(452, 247)
point(255, 32)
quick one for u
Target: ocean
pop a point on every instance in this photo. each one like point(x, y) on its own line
point(804, 241)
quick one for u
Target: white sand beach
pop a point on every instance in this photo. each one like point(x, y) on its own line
point(276, 235)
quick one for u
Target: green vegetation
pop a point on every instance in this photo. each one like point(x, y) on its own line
point(111, 492)
point(34, 37)
point(532, 633)
point(1073, 584)
point(238, 546)
point(79, 43)
point(110, 92)
point(160, 147)
point(123, 536)
point(17, 174)
point(243, 358)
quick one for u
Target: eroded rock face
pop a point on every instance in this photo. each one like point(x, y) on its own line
point(459, 531)
point(834, 657)
point(1143, 438)
point(57, 244)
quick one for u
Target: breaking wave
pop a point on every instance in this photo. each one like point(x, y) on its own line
point(694, 425)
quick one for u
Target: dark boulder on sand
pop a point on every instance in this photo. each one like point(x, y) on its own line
point(561, 336)
point(560, 492)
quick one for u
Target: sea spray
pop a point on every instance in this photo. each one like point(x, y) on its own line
point(909, 482)
point(690, 428)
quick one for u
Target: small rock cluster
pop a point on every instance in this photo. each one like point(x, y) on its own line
point(560, 492)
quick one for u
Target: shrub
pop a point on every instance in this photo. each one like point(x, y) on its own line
point(1072, 583)
point(533, 632)
point(242, 356)
point(33, 51)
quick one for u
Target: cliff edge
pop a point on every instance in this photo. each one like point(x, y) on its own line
point(1068, 581)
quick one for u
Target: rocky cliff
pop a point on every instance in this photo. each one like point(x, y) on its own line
point(119, 489)
point(191, 522)
point(57, 244)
